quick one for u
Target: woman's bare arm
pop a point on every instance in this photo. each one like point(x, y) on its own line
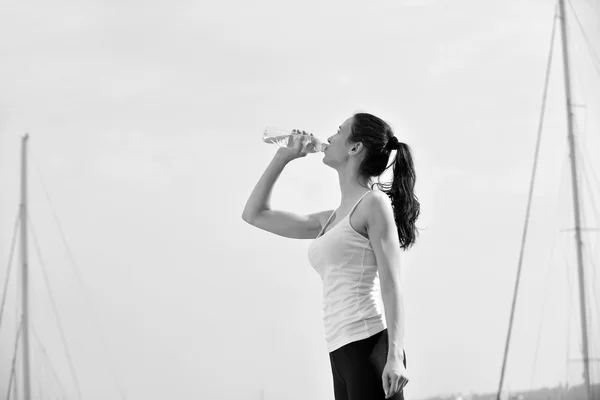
point(258, 212)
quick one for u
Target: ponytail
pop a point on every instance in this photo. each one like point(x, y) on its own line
point(378, 137)
point(401, 192)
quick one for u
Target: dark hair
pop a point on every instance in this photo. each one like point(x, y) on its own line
point(376, 135)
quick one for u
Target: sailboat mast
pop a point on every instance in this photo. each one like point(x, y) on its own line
point(25, 274)
point(578, 240)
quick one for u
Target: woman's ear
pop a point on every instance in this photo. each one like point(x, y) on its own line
point(356, 148)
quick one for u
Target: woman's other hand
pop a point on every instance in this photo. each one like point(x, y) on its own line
point(394, 377)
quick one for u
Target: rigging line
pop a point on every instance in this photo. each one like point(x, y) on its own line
point(47, 360)
point(583, 158)
point(549, 270)
point(595, 59)
point(40, 396)
point(54, 308)
point(14, 361)
point(529, 200)
point(39, 370)
point(10, 259)
point(569, 305)
point(594, 295)
point(583, 151)
point(587, 248)
point(76, 269)
point(19, 273)
point(543, 313)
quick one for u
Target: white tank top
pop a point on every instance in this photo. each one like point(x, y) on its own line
point(351, 295)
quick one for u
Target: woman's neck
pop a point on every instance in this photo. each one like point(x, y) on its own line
point(351, 188)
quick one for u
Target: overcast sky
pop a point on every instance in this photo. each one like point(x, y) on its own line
point(145, 122)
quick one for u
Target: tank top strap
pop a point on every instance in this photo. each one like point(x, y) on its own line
point(326, 223)
point(355, 205)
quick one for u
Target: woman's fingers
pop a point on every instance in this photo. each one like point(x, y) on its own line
point(386, 385)
point(393, 386)
point(403, 382)
point(400, 383)
point(303, 138)
point(306, 140)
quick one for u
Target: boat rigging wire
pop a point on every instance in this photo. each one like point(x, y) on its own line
point(14, 362)
point(76, 271)
point(47, 360)
point(529, 199)
point(595, 58)
point(10, 259)
point(55, 309)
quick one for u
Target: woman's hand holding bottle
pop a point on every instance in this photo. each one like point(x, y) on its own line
point(301, 142)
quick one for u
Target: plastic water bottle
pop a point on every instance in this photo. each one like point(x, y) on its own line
point(286, 138)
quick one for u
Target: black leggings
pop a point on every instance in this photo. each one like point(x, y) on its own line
point(358, 368)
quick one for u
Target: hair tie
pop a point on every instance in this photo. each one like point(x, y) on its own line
point(392, 143)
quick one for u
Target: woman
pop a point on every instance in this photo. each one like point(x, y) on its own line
point(356, 251)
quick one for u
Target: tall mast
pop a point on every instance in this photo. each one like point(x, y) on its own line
point(25, 267)
point(578, 240)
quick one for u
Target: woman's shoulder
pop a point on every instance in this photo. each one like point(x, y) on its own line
point(371, 201)
point(377, 205)
point(377, 197)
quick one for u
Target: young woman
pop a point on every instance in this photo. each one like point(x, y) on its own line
point(356, 251)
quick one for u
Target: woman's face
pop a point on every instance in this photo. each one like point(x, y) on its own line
point(337, 152)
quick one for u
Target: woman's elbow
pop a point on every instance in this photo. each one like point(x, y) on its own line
point(247, 217)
